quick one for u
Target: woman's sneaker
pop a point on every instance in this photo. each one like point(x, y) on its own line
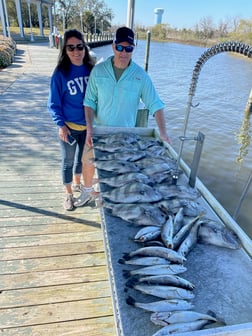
point(86, 197)
point(77, 187)
point(69, 202)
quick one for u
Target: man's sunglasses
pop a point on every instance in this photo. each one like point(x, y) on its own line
point(71, 47)
point(120, 48)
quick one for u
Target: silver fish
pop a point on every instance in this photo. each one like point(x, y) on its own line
point(147, 233)
point(167, 232)
point(183, 232)
point(155, 270)
point(164, 292)
point(163, 305)
point(190, 241)
point(145, 261)
point(156, 251)
point(120, 180)
point(165, 318)
point(181, 327)
point(133, 193)
point(214, 233)
point(167, 279)
point(178, 220)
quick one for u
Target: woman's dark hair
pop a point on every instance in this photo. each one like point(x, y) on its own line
point(64, 61)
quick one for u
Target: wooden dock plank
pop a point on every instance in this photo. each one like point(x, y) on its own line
point(54, 294)
point(52, 263)
point(90, 327)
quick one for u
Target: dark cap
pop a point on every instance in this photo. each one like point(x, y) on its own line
point(124, 34)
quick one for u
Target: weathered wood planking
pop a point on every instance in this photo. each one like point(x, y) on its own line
point(53, 269)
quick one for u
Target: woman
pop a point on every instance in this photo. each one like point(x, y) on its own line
point(65, 103)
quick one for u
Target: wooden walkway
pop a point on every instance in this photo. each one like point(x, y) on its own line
point(53, 272)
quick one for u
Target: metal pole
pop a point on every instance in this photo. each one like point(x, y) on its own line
point(130, 13)
point(147, 51)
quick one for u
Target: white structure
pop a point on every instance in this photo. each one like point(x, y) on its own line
point(38, 3)
point(158, 15)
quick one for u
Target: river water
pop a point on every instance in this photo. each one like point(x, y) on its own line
point(221, 95)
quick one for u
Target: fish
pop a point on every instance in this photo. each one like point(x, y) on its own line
point(148, 161)
point(190, 208)
point(181, 327)
point(167, 232)
point(117, 166)
point(162, 305)
point(144, 214)
point(157, 168)
point(177, 191)
point(133, 193)
point(122, 156)
point(145, 261)
point(166, 279)
point(147, 233)
point(156, 251)
point(120, 180)
point(215, 233)
point(178, 221)
point(155, 270)
point(190, 241)
point(163, 292)
point(123, 137)
point(165, 318)
point(114, 147)
point(183, 232)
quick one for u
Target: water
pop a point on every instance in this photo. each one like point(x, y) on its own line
point(222, 91)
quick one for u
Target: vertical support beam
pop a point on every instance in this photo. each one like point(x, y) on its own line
point(39, 11)
point(130, 13)
point(19, 17)
point(2, 17)
point(196, 159)
point(51, 18)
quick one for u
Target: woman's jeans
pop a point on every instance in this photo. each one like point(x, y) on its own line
point(71, 156)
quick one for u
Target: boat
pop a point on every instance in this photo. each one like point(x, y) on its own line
point(222, 276)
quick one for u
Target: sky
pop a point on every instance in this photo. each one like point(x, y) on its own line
point(180, 13)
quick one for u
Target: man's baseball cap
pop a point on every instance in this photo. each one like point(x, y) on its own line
point(124, 34)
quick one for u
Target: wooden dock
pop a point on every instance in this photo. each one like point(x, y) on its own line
point(53, 271)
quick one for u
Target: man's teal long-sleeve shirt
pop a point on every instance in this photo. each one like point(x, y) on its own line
point(116, 102)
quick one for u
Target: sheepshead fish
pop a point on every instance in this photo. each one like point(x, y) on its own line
point(177, 191)
point(123, 137)
point(115, 147)
point(117, 166)
point(157, 168)
point(120, 180)
point(163, 305)
point(164, 292)
point(137, 214)
point(165, 318)
point(214, 233)
point(190, 208)
point(133, 193)
point(181, 327)
point(122, 156)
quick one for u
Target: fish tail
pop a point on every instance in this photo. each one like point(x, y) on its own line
point(131, 282)
point(126, 256)
point(126, 274)
point(130, 301)
point(121, 261)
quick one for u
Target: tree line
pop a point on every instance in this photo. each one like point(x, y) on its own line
point(94, 16)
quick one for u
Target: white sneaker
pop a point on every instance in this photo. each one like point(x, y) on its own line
point(86, 197)
point(69, 202)
point(77, 187)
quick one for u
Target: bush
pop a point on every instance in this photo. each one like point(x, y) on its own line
point(7, 51)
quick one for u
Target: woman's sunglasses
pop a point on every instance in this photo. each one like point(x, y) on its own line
point(120, 48)
point(71, 47)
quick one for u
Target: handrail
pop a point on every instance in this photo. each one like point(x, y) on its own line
point(231, 46)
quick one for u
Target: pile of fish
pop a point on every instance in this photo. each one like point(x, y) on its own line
point(135, 175)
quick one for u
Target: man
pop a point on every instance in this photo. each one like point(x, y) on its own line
point(115, 88)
